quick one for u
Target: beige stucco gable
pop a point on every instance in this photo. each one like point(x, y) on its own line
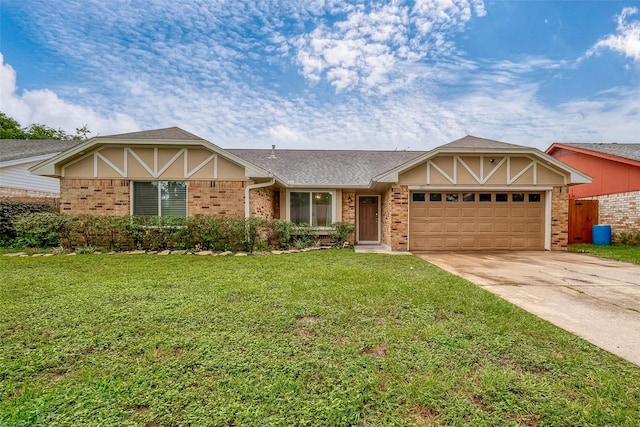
point(470, 170)
point(152, 162)
point(148, 158)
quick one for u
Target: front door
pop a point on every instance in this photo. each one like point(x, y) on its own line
point(368, 219)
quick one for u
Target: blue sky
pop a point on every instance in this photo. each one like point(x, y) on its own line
point(328, 74)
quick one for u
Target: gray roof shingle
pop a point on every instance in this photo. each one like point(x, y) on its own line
point(627, 151)
point(331, 168)
point(13, 149)
point(165, 133)
point(471, 141)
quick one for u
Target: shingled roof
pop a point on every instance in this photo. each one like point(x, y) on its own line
point(164, 133)
point(626, 151)
point(331, 168)
point(14, 149)
point(471, 141)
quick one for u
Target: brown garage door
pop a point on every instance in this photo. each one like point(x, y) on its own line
point(476, 220)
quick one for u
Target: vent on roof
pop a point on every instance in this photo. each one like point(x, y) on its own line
point(273, 152)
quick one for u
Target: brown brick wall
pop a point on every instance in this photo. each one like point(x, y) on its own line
point(559, 217)
point(113, 197)
point(621, 211)
point(95, 196)
point(349, 207)
point(216, 198)
point(395, 217)
point(262, 203)
point(19, 193)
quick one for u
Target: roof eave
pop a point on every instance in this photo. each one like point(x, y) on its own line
point(558, 145)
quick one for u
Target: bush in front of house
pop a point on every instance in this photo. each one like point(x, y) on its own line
point(151, 233)
point(40, 229)
point(342, 232)
point(629, 238)
point(11, 210)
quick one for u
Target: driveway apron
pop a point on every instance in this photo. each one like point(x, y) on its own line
point(596, 299)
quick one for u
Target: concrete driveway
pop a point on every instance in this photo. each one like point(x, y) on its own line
point(596, 299)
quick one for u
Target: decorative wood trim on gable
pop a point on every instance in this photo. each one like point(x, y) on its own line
point(155, 166)
point(482, 175)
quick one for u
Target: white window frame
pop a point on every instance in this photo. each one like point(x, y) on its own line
point(186, 202)
point(313, 190)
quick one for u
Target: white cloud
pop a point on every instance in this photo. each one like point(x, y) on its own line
point(361, 50)
point(228, 71)
point(45, 107)
point(627, 38)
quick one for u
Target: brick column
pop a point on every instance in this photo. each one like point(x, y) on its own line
point(559, 217)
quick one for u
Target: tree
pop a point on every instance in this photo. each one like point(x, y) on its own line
point(11, 129)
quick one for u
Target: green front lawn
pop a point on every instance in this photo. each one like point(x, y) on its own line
point(615, 252)
point(328, 338)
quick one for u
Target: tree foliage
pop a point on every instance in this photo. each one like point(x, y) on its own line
point(12, 129)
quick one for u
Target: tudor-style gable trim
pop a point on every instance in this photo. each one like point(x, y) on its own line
point(168, 137)
point(464, 148)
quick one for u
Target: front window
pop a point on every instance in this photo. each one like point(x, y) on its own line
point(311, 207)
point(160, 198)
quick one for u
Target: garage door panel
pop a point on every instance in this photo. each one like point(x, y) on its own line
point(473, 225)
point(468, 227)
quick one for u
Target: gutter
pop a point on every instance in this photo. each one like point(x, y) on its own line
point(248, 188)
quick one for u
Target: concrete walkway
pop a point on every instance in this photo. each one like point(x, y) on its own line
point(598, 300)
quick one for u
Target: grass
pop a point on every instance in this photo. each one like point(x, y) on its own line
point(624, 253)
point(329, 338)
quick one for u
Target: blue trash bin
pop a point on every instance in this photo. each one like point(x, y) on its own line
point(601, 235)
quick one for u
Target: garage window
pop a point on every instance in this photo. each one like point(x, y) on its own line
point(485, 197)
point(534, 197)
point(435, 197)
point(452, 197)
point(468, 197)
point(502, 197)
point(517, 197)
point(419, 197)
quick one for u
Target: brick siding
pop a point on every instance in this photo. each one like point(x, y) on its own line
point(113, 197)
point(19, 193)
point(349, 212)
point(95, 196)
point(395, 217)
point(559, 217)
point(216, 198)
point(262, 203)
point(621, 211)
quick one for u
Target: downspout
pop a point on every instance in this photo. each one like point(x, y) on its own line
point(248, 188)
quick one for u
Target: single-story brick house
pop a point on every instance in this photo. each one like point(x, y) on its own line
point(615, 170)
point(470, 194)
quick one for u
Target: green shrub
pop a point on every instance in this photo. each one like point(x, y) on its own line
point(10, 211)
point(630, 238)
point(281, 232)
point(151, 232)
point(342, 232)
point(305, 235)
point(40, 229)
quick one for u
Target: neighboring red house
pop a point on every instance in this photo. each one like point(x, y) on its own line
point(615, 170)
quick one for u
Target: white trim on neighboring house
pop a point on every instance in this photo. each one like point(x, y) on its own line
point(357, 224)
point(15, 174)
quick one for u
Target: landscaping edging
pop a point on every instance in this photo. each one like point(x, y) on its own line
point(177, 252)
